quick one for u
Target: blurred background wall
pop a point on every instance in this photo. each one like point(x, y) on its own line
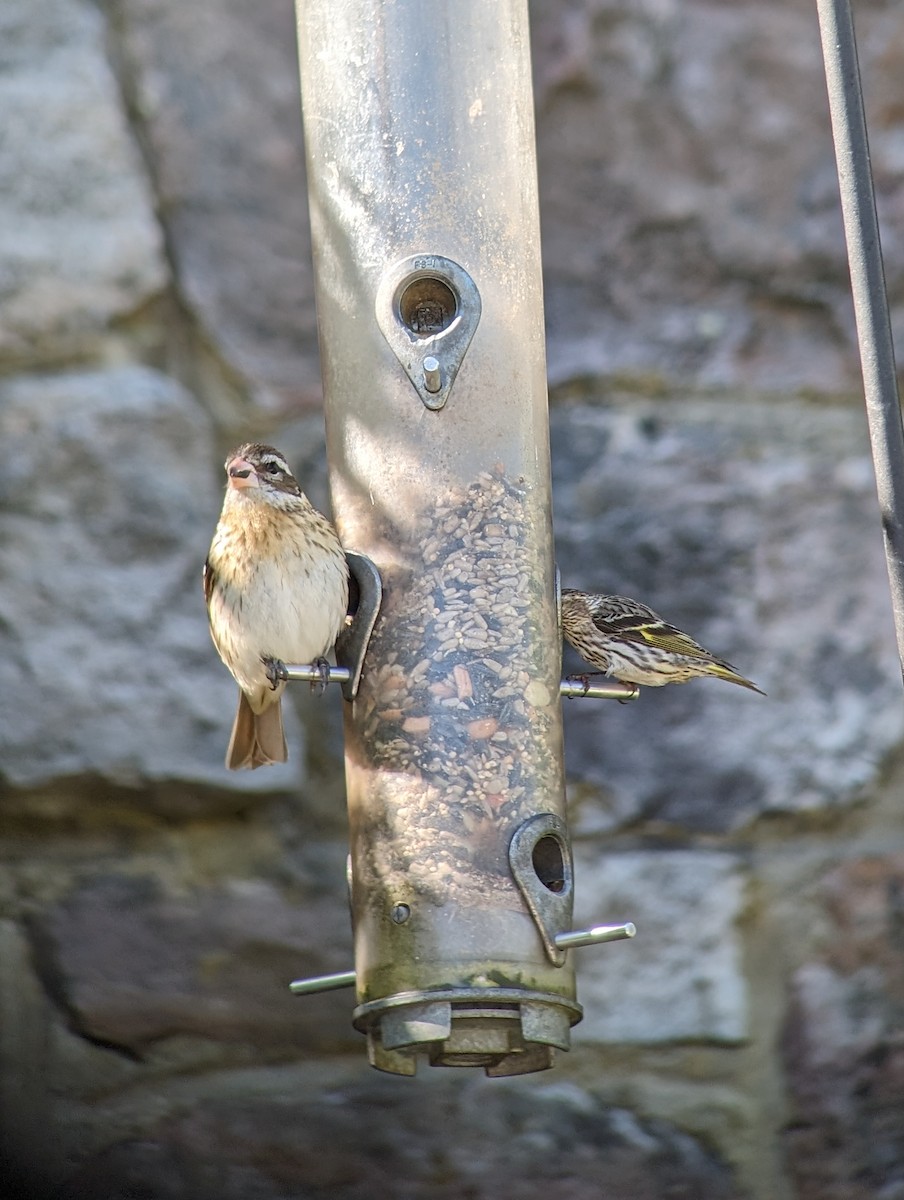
point(710, 459)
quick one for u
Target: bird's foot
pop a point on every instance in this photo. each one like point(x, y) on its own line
point(318, 686)
point(275, 669)
point(584, 678)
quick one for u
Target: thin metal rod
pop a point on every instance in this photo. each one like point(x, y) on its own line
point(579, 687)
point(877, 356)
point(595, 936)
point(565, 941)
point(308, 673)
point(322, 983)
point(572, 689)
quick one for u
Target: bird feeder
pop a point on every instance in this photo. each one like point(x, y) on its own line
point(422, 179)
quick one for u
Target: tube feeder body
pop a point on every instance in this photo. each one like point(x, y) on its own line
point(422, 177)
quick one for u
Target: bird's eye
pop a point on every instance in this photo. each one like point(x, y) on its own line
point(272, 467)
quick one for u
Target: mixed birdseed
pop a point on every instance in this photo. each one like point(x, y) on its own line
point(454, 699)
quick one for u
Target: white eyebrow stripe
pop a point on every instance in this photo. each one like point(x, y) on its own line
point(280, 462)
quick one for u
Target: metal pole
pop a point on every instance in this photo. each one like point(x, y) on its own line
point(839, 48)
point(422, 175)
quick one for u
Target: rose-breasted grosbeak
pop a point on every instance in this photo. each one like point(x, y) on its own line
point(276, 584)
point(627, 640)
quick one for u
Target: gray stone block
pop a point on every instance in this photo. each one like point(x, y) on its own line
point(79, 243)
point(108, 500)
point(754, 526)
point(681, 977)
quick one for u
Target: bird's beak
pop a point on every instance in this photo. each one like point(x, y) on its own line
point(241, 474)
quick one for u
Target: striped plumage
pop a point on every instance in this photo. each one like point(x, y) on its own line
point(276, 584)
point(625, 639)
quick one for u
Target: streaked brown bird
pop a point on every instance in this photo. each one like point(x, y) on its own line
point(276, 585)
point(625, 639)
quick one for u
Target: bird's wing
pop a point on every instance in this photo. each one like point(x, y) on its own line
point(667, 637)
point(648, 629)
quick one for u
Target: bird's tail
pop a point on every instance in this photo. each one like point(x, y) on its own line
point(724, 670)
point(257, 738)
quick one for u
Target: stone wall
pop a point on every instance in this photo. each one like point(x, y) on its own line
point(710, 458)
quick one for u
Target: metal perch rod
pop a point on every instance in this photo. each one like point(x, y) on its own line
point(877, 356)
point(573, 689)
point(565, 941)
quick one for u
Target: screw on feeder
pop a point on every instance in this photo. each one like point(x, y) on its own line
point(433, 379)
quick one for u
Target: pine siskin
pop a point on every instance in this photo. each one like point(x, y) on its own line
point(628, 641)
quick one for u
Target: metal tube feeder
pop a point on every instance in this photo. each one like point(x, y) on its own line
point(422, 178)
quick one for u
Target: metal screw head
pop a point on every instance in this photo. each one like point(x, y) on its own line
point(433, 379)
point(400, 913)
